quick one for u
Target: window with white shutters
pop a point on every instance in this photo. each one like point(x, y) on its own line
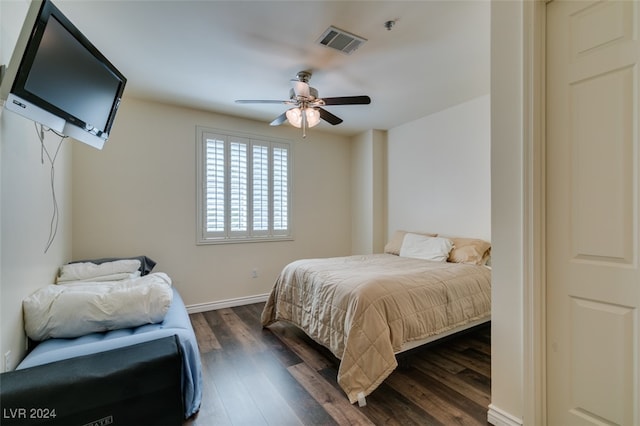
point(244, 188)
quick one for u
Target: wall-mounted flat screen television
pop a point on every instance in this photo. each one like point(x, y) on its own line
point(58, 78)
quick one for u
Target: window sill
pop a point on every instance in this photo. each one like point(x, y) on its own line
point(214, 241)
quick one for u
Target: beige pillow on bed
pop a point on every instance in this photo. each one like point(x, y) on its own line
point(395, 242)
point(469, 250)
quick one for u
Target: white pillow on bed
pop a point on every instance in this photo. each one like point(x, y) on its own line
point(428, 248)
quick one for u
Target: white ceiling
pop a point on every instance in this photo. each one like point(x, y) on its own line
point(206, 54)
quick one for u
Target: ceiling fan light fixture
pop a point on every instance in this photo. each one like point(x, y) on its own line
point(294, 115)
point(313, 116)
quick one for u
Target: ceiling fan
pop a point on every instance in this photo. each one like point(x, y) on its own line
point(307, 108)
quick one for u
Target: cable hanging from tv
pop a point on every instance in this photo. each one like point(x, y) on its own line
point(44, 152)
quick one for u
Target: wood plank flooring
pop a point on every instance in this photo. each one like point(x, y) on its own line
point(278, 376)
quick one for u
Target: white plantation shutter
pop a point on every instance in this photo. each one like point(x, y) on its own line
point(280, 189)
point(238, 186)
point(245, 188)
point(214, 186)
point(260, 189)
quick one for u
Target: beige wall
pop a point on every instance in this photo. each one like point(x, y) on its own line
point(137, 196)
point(26, 205)
point(369, 190)
point(507, 187)
point(439, 172)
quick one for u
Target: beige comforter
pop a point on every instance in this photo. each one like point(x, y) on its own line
point(364, 308)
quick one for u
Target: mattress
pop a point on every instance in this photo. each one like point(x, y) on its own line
point(176, 322)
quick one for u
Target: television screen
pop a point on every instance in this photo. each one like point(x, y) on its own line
point(61, 80)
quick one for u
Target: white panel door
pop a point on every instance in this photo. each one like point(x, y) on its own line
point(592, 217)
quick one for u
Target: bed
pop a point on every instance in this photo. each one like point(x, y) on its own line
point(366, 309)
point(60, 345)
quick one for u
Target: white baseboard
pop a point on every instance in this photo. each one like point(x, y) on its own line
point(229, 303)
point(498, 417)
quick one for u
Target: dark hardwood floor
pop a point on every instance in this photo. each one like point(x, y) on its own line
point(278, 376)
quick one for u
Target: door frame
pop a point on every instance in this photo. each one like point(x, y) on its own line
point(534, 208)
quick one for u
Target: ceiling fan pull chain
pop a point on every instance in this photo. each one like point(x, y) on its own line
point(304, 123)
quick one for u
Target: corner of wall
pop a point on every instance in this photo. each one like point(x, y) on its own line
point(380, 194)
point(369, 192)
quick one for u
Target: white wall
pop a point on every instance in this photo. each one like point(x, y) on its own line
point(26, 205)
point(439, 172)
point(369, 192)
point(137, 196)
point(507, 130)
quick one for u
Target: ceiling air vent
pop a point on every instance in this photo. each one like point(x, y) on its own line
point(340, 40)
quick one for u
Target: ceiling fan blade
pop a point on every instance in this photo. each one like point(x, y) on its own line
point(260, 101)
point(347, 100)
point(328, 117)
point(279, 120)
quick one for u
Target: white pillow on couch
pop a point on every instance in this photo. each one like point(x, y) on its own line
point(68, 311)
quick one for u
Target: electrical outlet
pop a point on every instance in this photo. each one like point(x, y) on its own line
point(254, 273)
point(8, 361)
